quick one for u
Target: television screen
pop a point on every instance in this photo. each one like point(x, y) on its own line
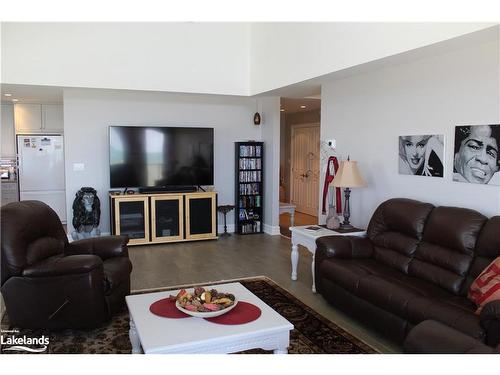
point(160, 156)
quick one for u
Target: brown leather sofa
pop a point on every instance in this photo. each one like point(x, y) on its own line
point(431, 337)
point(49, 283)
point(416, 263)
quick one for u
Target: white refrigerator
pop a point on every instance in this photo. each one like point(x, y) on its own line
point(41, 170)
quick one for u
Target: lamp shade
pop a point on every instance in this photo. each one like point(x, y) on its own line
point(348, 175)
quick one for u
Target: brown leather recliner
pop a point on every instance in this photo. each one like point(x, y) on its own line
point(416, 263)
point(47, 282)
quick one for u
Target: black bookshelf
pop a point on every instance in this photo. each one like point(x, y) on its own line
point(249, 187)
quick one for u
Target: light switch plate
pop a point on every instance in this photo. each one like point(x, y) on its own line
point(77, 167)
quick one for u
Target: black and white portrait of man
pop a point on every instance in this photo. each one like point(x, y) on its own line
point(421, 155)
point(476, 158)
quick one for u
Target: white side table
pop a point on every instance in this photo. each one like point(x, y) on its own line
point(307, 238)
point(290, 208)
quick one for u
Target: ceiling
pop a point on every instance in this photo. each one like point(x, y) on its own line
point(293, 105)
point(32, 94)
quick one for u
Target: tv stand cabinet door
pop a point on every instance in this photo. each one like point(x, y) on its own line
point(132, 218)
point(167, 218)
point(201, 216)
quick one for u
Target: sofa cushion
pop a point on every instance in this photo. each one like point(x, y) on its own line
point(445, 254)
point(410, 298)
point(396, 229)
point(348, 273)
point(454, 311)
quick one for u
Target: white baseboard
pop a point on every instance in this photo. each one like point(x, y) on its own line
point(230, 228)
point(272, 230)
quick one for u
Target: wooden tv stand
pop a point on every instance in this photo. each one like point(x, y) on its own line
point(164, 217)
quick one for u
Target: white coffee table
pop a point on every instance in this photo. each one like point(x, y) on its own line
point(307, 238)
point(157, 335)
point(290, 208)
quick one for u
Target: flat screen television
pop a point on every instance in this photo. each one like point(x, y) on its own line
point(150, 157)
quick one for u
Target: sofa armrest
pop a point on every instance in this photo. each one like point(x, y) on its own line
point(347, 247)
point(104, 247)
point(63, 266)
point(490, 321)
point(432, 337)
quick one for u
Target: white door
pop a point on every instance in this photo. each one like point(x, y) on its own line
point(305, 167)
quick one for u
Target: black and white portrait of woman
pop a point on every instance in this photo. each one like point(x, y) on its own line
point(476, 158)
point(421, 155)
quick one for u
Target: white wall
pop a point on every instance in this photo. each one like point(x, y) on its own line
point(366, 113)
point(217, 58)
point(286, 53)
point(178, 57)
point(89, 113)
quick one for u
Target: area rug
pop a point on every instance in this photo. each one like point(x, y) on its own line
point(313, 333)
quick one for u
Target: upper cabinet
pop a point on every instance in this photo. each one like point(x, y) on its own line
point(39, 118)
point(8, 137)
point(28, 118)
point(52, 117)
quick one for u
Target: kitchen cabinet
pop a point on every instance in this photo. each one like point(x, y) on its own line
point(39, 118)
point(8, 132)
point(28, 118)
point(52, 118)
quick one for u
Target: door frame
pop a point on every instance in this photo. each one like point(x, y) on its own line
point(293, 127)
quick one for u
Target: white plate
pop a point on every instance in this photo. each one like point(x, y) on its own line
point(209, 314)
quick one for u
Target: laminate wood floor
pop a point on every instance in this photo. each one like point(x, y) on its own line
point(299, 219)
point(236, 257)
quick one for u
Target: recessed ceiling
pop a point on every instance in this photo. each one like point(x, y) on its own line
point(294, 105)
point(31, 94)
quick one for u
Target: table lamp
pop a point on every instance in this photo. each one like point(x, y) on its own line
point(347, 177)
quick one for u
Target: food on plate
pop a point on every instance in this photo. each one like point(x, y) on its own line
point(202, 300)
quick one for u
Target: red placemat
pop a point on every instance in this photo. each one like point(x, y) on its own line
point(244, 312)
point(166, 308)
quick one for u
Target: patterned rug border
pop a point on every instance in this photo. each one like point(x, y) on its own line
point(342, 331)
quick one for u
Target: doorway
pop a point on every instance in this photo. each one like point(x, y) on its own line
point(299, 162)
point(304, 168)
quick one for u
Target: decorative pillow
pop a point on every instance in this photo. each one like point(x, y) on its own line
point(486, 287)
